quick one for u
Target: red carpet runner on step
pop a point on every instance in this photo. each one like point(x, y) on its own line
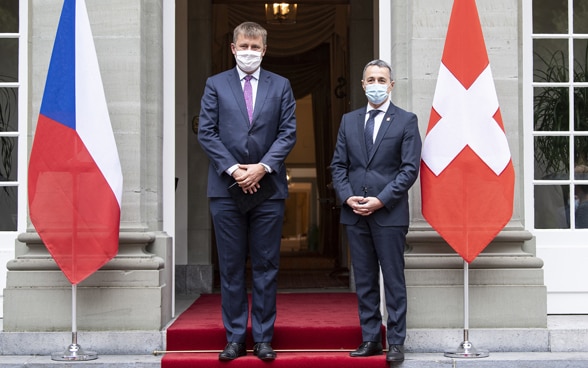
point(310, 321)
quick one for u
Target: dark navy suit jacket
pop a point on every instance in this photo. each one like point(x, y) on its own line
point(228, 138)
point(387, 174)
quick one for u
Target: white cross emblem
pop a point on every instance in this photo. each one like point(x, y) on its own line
point(466, 119)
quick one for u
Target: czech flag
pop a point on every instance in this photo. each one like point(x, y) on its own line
point(467, 175)
point(75, 177)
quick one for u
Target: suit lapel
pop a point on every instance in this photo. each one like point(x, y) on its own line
point(262, 89)
point(386, 122)
point(237, 89)
point(361, 132)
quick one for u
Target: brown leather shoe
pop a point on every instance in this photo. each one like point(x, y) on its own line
point(395, 353)
point(367, 348)
point(264, 351)
point(233, 350)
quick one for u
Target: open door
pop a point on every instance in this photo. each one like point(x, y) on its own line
point(312, 54)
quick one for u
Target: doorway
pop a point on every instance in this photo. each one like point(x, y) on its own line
point(314, 54)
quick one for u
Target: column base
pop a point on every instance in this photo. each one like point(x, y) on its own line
point(506, 285)
point(131, 292)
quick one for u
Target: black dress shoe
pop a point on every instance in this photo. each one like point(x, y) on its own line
point(368, 348)
point(233, 350)
point(264, 351)
point(395, 353)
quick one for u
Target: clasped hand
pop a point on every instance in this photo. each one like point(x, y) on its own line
point(248, 177)
point(364, 206)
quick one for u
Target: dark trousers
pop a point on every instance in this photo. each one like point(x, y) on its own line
point(257, 234)
point(373, 247)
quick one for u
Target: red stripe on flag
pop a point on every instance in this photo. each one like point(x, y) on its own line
point(433, 120)
point(465, 51)
point(467, 204)
point(498, 118)
point(71, 205)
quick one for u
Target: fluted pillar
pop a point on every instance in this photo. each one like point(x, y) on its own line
point(506, 284)
point(134, 290)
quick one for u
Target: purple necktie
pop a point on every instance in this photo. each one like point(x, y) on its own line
point(248, 93)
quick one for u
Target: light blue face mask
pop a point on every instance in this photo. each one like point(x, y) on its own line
point(376, 93)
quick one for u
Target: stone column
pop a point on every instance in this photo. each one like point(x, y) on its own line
point(133, 291)
point(194, 267)
point(506, 281)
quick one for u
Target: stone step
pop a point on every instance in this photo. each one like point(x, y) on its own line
point(564, 334)
point(564, 343)
point(413, 360)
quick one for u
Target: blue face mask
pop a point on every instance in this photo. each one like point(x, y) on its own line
point(376, 93)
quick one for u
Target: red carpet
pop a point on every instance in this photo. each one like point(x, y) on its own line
point(305, 321)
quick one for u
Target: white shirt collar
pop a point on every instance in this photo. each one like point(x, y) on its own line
point(242, 74)
point(384, 107)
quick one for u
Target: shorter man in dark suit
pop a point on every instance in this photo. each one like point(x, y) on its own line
point(376, 161)
point(247, 127)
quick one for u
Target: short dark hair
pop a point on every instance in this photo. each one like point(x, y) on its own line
point(378, 63)
point(250, 29)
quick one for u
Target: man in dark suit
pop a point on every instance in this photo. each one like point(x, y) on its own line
point(245, 146)
point(372, 174)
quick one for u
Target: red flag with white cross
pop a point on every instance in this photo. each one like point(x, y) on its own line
point(467, 175)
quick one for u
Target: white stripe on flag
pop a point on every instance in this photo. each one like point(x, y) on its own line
point(92, 118)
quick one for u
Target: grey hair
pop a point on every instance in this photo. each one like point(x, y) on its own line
point(250, 30)
point(381, 64)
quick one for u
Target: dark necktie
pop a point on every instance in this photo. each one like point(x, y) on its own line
point(248, 93)
point(369, 131)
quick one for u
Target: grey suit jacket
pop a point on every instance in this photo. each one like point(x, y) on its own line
point(227, 137)
point(387, 174)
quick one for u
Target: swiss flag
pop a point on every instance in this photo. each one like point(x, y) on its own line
point(467, 176)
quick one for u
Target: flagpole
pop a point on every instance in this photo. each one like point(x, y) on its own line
point(466, 348)
point(74, 351)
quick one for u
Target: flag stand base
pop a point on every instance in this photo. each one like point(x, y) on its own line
point(466, 350)
point(74, 352)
